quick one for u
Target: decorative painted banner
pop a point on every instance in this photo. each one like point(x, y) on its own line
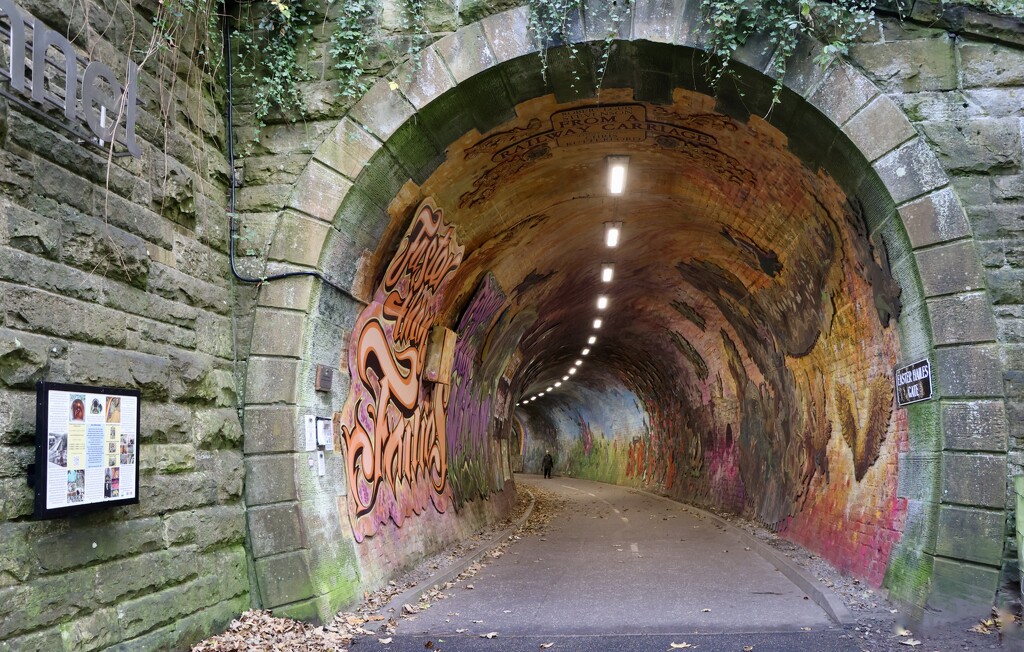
point(393, 427)
point(518, 149)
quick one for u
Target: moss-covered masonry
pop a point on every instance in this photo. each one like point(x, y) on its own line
point(117, 272)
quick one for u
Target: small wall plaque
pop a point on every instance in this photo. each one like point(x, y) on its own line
point(913, 383)
point(324, 378)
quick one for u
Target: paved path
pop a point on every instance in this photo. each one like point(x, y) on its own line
point(621, 562)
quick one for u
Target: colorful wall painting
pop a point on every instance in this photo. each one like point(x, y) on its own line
point(394, 427)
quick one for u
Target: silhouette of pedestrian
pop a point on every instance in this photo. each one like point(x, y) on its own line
point(548, 463)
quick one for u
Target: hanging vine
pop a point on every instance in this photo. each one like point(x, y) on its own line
point(268, 58)
point(835, 23)
point(350, 41)
point(279, 30)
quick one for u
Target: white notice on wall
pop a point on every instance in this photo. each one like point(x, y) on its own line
point(321, 463)
point(310, 422)
point(325, 433)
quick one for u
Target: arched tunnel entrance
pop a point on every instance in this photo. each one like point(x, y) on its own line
point(764, 287)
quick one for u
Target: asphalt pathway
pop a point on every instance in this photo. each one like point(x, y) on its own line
point(622, 570)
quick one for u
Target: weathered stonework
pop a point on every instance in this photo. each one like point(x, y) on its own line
point(114, 272)
point(123, 278)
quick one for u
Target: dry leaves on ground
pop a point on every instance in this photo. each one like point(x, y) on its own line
point(259, 631)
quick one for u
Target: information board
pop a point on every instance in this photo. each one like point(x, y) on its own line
point(87, 448)
point(914, 383)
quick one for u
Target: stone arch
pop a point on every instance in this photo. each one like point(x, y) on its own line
point(303, 560)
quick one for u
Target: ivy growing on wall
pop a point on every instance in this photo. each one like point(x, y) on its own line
point(268, 58)
point(551, 21)
point(835, 23)
point(350, 41)
point(274, 33)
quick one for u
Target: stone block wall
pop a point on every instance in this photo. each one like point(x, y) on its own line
point(115, 272)
point(963, 94)
point(922, 69)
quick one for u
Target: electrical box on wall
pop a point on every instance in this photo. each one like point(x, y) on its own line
point(440, 355)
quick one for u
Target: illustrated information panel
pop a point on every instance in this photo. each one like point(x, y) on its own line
point(89, 437)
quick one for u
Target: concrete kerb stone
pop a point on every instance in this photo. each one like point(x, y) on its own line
point(466, 52)
point(827, 600)
point(843, 93)
point(878, 128)
point(657, 20)
point(412, 595)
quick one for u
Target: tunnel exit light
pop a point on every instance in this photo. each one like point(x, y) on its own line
point(617, 166)
point(602, 302)
point(607, 271)
point(612, 231)
point(597, 323)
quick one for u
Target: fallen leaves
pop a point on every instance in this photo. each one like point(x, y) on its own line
point(260, 630)
point(912, 642)
point(985, 626)
point(385, 641)
point(545, 646)
point(489, 635)
point(682, 646)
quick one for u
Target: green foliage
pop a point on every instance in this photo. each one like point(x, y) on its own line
point(416, 24)
point(268, 58)
point(349, 43)
point(269, 48)
point(836, 23)
point(174, 19)
point(551, 22)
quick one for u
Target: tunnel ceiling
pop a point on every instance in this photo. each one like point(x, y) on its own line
point(733, 251)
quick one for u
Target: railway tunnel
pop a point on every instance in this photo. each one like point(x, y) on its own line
point(723, 328)
point(501, 249)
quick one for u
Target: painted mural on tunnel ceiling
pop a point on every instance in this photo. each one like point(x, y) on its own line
point(761, 329)
point(747, 363)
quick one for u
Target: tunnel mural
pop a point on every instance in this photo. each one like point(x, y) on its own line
point(746, 365)
point(763, 381)
point(393, 428)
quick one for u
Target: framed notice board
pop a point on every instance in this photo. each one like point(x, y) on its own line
point(87, 449)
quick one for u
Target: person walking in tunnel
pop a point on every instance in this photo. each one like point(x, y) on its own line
point(547, 463)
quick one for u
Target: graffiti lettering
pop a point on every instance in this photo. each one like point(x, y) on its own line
point(393, 429)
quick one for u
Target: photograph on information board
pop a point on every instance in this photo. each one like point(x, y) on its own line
point(87, 448)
